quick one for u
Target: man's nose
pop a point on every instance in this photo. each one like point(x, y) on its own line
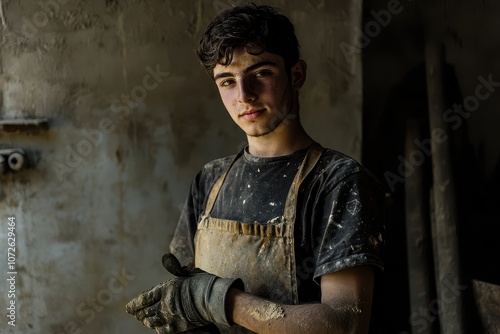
point(246, 91)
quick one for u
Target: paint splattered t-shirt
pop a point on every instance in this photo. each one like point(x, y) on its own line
point(340, 210)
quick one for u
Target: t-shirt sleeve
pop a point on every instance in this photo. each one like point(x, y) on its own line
point(182, 244)
point(351, 229)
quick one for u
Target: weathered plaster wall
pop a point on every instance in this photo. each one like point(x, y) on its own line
point(132, 118)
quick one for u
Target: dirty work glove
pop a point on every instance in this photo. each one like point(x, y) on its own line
point(195, 298)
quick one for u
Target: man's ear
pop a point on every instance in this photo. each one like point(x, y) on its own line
point(298, 74)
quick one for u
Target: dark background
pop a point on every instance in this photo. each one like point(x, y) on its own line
point(395, 91)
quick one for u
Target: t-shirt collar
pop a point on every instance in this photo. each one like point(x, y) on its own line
point(255, 159)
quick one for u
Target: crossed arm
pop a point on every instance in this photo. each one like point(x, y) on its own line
point(197, 298)
point(345, 307)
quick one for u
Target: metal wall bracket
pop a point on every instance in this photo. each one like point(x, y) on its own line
point(12, 159)
point(31, 125)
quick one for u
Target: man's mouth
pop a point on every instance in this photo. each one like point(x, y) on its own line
point(251, 114)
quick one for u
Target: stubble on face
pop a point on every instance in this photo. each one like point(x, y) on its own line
point(278, 116)
point(247, 89)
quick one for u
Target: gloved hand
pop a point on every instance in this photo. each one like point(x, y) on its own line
point(195, 298)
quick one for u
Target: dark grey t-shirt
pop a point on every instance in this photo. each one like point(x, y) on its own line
point(340, 210)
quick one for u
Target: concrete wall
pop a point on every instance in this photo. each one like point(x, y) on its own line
point(132, 118)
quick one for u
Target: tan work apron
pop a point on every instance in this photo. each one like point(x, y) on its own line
point(262, 255)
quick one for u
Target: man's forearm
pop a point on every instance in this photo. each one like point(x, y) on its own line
point(262, 316)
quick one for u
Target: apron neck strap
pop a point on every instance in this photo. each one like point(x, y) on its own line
point(312, 157)
point(218, 184)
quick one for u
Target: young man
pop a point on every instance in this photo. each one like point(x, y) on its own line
point(284, 236)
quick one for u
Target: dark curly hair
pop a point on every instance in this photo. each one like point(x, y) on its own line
point(256, 28)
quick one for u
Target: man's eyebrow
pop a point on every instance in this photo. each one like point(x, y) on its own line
point(248, 69)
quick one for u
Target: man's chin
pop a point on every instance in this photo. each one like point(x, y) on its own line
point(265, 131)
point(261, 132)
point(258, 134)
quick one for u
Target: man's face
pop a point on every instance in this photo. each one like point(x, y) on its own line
point(256, 91)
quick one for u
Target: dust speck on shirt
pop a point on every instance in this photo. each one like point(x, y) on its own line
point(373, 241)
point(275, 220)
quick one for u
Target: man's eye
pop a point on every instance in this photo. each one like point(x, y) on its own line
point(262, 73)
point(226, 83)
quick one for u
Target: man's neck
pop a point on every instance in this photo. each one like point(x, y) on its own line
point(284, 140)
